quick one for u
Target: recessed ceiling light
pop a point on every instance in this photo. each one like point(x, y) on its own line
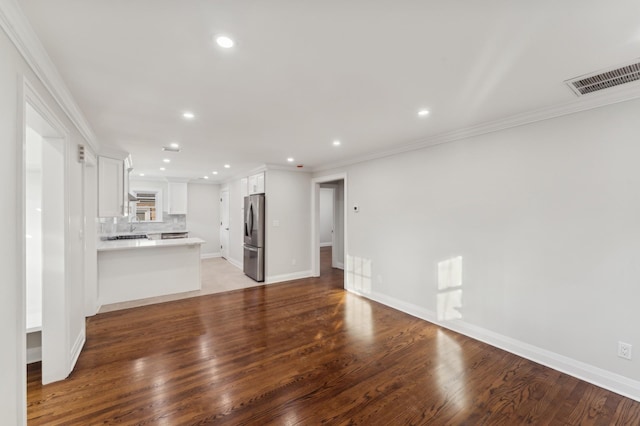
point(214, 172)
point(423, 112)
point(336, 143)
point(174, 145)
point(226, 166)
point(290, 159)
point(225, 42)
point(166, 160)
point(141, 174)
point(188, 115)
point(206, 177)
point(162, 169)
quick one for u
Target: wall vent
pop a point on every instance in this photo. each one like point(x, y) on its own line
point(605, 79)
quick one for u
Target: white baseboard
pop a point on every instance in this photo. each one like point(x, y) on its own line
point(606, 379)
point(235, 263)
point(340, 265)
point(287, 277)
point(326, 244)
point(210, 255)
point(34, 355)
point(77, 348)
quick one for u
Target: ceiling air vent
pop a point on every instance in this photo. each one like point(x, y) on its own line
point(605, 79)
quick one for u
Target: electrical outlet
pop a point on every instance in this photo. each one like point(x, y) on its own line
point(624, 350)
point(293, 262)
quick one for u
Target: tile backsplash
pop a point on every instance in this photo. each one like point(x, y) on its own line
point(119, 225)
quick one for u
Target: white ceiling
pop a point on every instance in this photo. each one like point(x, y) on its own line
point(305, 73)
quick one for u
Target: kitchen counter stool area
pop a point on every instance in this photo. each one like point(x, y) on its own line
point(138, 269)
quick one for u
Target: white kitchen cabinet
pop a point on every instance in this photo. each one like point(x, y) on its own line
point(244, 188)
point(111, 187)
point(177, 198)
point(256, 183)
point(127, 187)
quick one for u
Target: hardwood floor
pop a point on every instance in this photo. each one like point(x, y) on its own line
point(304, 352)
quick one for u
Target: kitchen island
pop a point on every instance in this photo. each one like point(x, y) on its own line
point(137, 269)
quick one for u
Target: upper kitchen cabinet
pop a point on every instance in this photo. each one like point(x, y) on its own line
point(113, 183)
point(177, 198)
point(244, 188)
point(256, 183)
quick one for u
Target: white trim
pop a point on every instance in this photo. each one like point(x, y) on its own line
point(594, 100)
point(315, 219)
point(76, 349)
point(235, 263)
point(29, 95)
point(34, 355)
point(114, 153)
point(240, 174)
point(210, 255)
point(606, 379)
point(287, 277)
point(21, 336)
point(17, 27)
point(90, 158)
point(329, 244)
point(224, 233)
point(32, 97)
point(288, 168)
point(340, 265)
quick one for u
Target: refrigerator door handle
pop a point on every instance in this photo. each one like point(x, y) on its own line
point(249, 248)
point(248, 223)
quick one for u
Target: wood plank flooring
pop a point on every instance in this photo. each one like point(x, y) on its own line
point(304, 352)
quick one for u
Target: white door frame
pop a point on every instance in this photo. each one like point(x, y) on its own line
point(315, 219)
point(29, 96)
point(225, 248)
point(90, 213)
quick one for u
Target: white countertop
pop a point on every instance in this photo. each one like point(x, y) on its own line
point(144, 243)
point(135, 232)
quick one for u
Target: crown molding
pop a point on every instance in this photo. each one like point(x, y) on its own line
point(293, 169)
point(115, 153)
point(17, 27)
point(595, 100)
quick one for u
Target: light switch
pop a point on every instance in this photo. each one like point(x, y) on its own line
point(276, 223)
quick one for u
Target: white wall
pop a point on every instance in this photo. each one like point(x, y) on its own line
point(546, 220)
point(13, 371)
point(288, 225)
point(12, 400)
point(326, 216)
point(203, 216)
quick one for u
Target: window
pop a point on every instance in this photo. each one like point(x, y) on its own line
point(148, 206)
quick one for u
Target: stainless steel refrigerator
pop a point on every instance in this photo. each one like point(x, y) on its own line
point(254, 236)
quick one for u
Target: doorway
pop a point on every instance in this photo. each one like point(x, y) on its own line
point(44, 213)
point(224, 224)
point(329, 221)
